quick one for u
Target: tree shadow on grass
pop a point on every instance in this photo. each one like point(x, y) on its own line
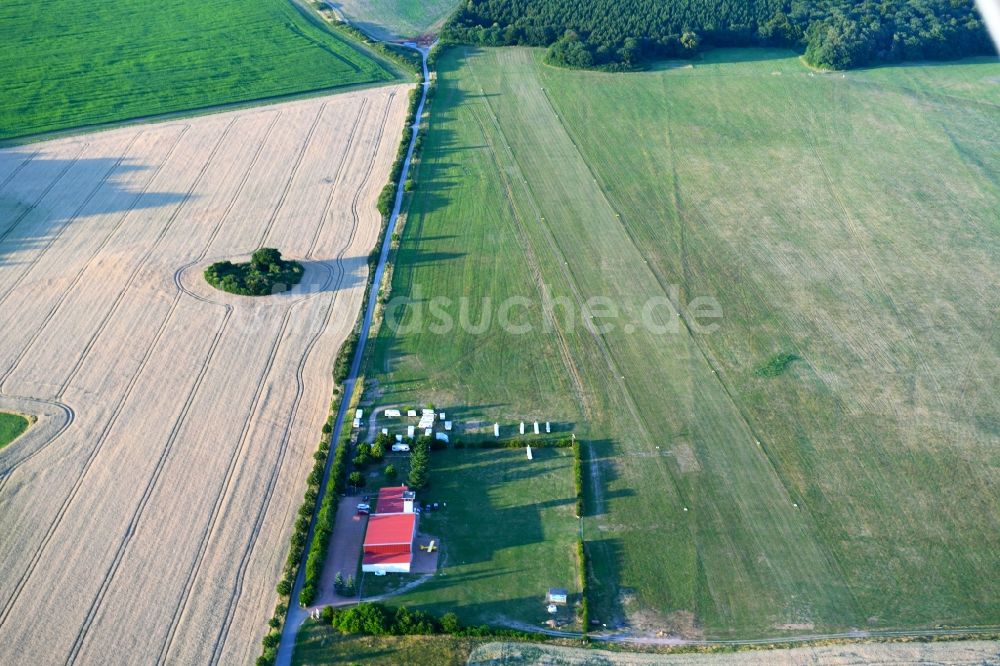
point(597, 491)
point(606, 557)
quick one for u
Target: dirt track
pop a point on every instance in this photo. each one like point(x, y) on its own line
point(147, 520)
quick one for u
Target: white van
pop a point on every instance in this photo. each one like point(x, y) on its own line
point(400, 448)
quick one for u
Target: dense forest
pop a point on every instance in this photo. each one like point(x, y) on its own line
point(621, 34)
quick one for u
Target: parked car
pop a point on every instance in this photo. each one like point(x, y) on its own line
point(401, 448)
point(364, 509)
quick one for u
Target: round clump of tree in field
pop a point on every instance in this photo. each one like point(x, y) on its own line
point(266, 273)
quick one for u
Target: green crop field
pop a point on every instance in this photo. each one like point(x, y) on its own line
point(11, 427)
point(63, 65)
point(507, 532)
point(397, 18)
point(825, 456)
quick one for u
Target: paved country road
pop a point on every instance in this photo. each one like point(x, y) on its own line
point(296, 613)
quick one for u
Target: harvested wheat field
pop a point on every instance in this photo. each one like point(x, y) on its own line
point(146, 515)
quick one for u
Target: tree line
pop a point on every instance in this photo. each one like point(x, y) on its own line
point(623, 34)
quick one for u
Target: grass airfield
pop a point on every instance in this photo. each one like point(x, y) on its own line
point(853, 487)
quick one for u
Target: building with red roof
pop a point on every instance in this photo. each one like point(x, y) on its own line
point(395, 499)
point(391, 530)
point(389, 542)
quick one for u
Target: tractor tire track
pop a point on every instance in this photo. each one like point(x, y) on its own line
point(223, 635)
point(119, 407)
point(179, 422)
point(148, 492)
point(64, 408)
point(238, 452)
point(48, 188)
point(114, 308)
point(107, 239)
point(18, 169)
point(65, 224)
point(294, 172)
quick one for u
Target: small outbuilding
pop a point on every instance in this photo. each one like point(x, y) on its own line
point(557, 595)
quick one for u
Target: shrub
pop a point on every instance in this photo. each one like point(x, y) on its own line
point(777, 365)
point(413, 623)
point(356, 479)
point(581, 558)
point(284, 587)
point(390, 471)
point(450, 623)
point(307, 594)
point(365, 618)
point(578, 477)
point(315, 476)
